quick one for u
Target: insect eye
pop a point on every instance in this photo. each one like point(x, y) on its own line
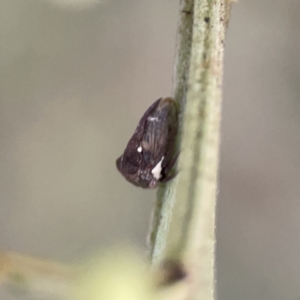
point(132, 169)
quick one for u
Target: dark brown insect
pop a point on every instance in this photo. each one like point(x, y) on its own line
point(148, 157)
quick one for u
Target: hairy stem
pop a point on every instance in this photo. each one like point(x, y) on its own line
point(184, 216)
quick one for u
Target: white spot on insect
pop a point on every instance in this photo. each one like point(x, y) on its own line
point(139, 149)
point(152, 119)
point(156, 171)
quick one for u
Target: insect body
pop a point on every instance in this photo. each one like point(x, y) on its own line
point(148, 157)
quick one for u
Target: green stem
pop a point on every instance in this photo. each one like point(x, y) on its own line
point(184, 217)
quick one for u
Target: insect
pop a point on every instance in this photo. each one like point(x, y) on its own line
point(148, 157)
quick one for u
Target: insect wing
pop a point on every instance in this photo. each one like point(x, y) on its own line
point(132, 160)
point(150, 144)
point(159, 131)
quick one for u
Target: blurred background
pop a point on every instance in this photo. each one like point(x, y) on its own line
point(76, 76)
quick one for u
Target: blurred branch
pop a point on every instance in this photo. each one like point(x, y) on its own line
point(117, 274)
point(41, 279)
point(184, 216)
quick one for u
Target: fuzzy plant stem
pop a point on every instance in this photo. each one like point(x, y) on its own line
point(183, 225)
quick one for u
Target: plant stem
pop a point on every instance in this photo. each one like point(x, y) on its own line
point(184, 219)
